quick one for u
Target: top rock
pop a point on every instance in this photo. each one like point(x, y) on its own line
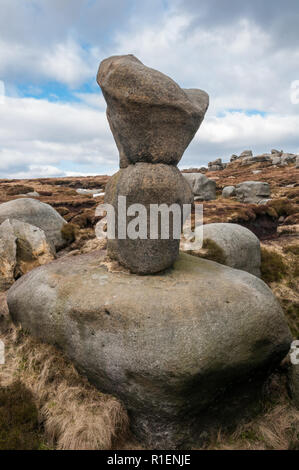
point(152, 119)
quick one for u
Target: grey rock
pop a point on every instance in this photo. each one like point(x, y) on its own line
point(203, 188)
point(277, 152)
point(257, 159)
point(31, 194)
point(147, 184)
point(171, 346)
point(33, 249)
point(152, 119)
point(8, 250)
point(246, 153)
point(228, 191)
point(35, 213)
point(252, 191)
point(287, 158)
point(294, 383)
point(297, 161)
point(240, 246)
point(234, 157)
point(276, 160)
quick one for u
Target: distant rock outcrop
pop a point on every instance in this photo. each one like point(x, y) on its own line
point(252, 192)
point(203, 188)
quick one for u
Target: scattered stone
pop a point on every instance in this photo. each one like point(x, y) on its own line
point(146, 184)
point(203, 188)
point(287, 158)
point(246, 153)
point(33, 249)
point(8, 250)
point(256, 172)
point(152, 119)
point(167, 345)
point(294, 382)
point(35, 213)
point(88, 191)
point(276, 160)
point(233, 158)
point(216, 165)
point(252, 192)
point(228, 191)
point(257, 159)
point(277, 152)
point(240, 246)
point(32, 194)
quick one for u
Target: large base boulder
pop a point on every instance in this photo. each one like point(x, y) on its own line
point(8, 251)
point(170, 345)
point(35, 213)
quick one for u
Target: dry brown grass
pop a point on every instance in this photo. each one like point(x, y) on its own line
point(74, 414)
point(277, 428)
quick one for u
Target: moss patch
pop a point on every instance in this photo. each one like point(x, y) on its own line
point(273, 268)
point(210, 250)
point(19, 428)
point(68, 232)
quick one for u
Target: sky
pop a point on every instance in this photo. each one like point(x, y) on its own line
point(245, 55)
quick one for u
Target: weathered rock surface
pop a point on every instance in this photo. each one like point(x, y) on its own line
point(297, 162)
point(33, 249)
point(246, 153)
point(22, 248)
point(146, 184)
point(203, 188)
point(287, 158)
point(152, 119)
point(240, 246)
point(35, 213)
point(170, 345)
point(294, 383)
point(252, 192)
point(228, 191)
point(8, 251)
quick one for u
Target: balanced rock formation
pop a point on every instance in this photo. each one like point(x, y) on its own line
point(253, 192)
point(35, 213)
point(203, 188)
point(153, 121)
point(170, 345)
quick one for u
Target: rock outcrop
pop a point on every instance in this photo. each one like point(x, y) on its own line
point(252, 192)
point(168, 345)
point(203, 188)
point(35, 213)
